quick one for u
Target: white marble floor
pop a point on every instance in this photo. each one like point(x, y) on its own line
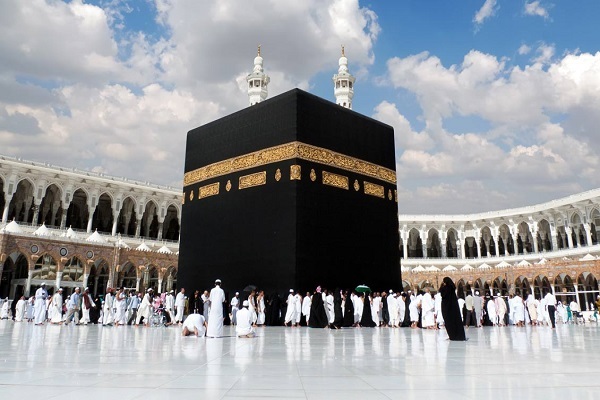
point(78, 362)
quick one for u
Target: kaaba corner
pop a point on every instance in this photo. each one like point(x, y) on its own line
point(292, 192)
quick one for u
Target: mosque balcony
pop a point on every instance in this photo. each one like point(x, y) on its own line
point(583, 253)
point(82, 236)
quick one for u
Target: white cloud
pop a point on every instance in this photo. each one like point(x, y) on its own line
point(523, 153)
point(544, 52)
point(487, 10)
point(524, 49)
point(106, 98)
point(536, 9)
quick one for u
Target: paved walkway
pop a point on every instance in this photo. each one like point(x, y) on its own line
point(92, 362)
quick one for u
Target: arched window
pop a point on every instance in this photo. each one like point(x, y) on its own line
point(73, 270)
point(45, 268)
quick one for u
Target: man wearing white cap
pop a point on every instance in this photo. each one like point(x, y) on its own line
point(235, 305)
point(144, 310)
point(56, 305)
point(107, 310)
point(393, 309)
point(290, 314)
point(244, 328)
point(170, 306)
point(215, 317)
point(73, 307)
point(40, 305)
point(180, 305)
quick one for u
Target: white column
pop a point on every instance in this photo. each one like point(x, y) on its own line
point(114, 227)
point(478, 245)
point(569, 233)
point(536, 248)
point(577, 296)
point(6, 206)
point(138, 226)
point(553, 235)
point(588, 233)
point(160, 231)
point(58, 279)
point(28, 283)
point(36, 213)
point(443, 239)
point(90, 219)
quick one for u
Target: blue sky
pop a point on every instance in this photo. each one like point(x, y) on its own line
point(495, 103)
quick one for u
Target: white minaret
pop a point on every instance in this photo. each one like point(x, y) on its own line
point(257, 82)
point(343, 84)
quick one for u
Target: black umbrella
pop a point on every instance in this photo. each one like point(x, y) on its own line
point(249, 288)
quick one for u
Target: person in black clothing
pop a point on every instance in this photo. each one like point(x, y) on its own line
point(406, 320)
point(196, 304)
point(318, 315)
point(273, 316)
point(338, 319)
point(348, 321)
point(385, 313)
point(366, 320)
point(450, 311)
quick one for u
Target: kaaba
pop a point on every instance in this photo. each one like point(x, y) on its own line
point(293, 192)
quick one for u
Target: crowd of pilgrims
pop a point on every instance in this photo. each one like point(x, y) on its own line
point(321, 309)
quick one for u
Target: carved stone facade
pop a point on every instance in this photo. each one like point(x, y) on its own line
point(50, 212)
point(545, 246)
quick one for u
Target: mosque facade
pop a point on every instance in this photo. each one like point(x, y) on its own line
point(69, 228)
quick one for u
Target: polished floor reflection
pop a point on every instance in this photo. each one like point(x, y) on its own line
point(157, 363)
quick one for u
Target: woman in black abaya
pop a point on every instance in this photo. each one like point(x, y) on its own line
point(366, 320)
point(348, 311)
point(318, 316)
point(450, 311)
point(338, 319)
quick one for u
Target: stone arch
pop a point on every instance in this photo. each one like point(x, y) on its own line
point(401, 248)
point(128, 276)
point(470, 247)
point(594, 224)
point(78, 212)
point(415, 245)
point(479, 286)
point(451, 246)
point(15, 268)
point(522, 285)
point(126, 222)
point(434, 245)
point(73, 270)
point(153, 276)
point(171, 223)
point(524, 239)
point(149, 225)
point(102, 220)
point(50, 209)
point(499, 285)
point(98, 278)
point(587, 286)
point(578, 234)
point(486, 242)
point(544, 235)
point(461, 289)
point(541, 286)
point(45, 268)
point(426, 284)
point(505, 241)
point(406, 286)
point(170, 278)
point(22, 205)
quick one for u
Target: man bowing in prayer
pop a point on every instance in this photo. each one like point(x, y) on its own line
point(215, 317)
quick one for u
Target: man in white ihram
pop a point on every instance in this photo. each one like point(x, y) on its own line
point(243, 328)
point(194, 324)
point(215, 317)
point(40, 305)
point(180, 306)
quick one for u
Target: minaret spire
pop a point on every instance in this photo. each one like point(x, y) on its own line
point(343, 82)
point(257, 81)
